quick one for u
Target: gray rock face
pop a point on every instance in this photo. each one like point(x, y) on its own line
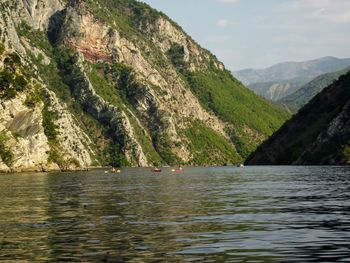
point(74, 142)
point(22, 125)
point(122, 128)
point(26, 135)
point(39, 12)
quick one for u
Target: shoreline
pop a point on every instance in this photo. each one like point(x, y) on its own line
point(51, 170)
point(48, 170)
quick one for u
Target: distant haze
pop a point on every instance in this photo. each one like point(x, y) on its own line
point(285, 78)
point(292, 70)
point(258, 34)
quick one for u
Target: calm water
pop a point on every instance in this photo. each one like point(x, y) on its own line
point(251, 214)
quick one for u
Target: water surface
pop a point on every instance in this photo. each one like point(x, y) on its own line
point(227, 214)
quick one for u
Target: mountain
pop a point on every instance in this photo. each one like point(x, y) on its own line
point(278, 89)
point(318, 134)
point(303, 95)
point(291, 70)
point(115, 82)
point(283, 79)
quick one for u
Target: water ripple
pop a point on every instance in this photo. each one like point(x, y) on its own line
point(224, 214)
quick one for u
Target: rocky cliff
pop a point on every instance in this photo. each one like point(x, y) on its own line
point(103, 82)
point(318, 134)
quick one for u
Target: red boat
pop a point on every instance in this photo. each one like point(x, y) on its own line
point(179, 169)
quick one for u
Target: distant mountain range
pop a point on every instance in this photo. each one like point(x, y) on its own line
point(318, 134)
point(283, 79)
point(303, 95)
point(278, 89)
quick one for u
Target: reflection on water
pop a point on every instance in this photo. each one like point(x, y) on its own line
point(255, 214)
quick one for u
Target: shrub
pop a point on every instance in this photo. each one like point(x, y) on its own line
point(346, 153)
point(11, 79)
point(19, 83)
point(5, 153)
point(50, 128)
point(176, 55)
point(6, 78)
point(33, 98)
point(11, 83)
point(2, 49)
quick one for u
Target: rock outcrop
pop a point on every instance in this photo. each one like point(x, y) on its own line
point(26, 137)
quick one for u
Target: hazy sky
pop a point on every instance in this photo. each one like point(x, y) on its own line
point(259, 33)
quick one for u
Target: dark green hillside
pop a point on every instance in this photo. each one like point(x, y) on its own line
point(318, 134)
point(229, 99)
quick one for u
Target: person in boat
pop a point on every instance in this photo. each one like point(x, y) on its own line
point(179, 169)
point(113, 170)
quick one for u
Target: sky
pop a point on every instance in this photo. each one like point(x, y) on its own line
point(260, 33)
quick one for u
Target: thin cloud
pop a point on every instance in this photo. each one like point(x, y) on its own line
point(227, 1)
point(297, 5)
point(222, 22)
point(320, 10)
point(333, 17)
point(218, 39)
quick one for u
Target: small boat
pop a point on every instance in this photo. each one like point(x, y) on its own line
point(179, 169)
point(240, 165)
point(157, 170)
point(114, 170)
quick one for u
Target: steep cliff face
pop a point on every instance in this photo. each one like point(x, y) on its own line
point(24, 132)
point(318, 134)
point(25, 101)
point(116, 82)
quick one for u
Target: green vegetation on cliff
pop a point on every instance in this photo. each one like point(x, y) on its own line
point(115, 84)
point(346, 154)
point(204, 140)
point(5, 153)
point(220, 92)
point(226, 97)
point(13, 78)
